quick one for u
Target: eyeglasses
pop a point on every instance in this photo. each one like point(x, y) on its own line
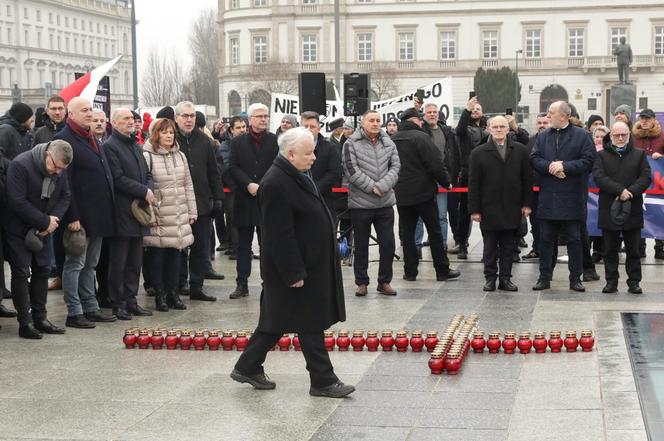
point(57, 168)
point(498, 127)
point(187, 115)
point(620, 135)
point(260, 116)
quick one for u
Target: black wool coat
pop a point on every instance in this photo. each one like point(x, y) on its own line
point(422, 166)
point(613, 173)
point(247, 164)
point(204, 169)
point(326, 170)
point(131, 179)
point(25, 209)
point(298, 243)
point(498, 189)
point(14, 137)
point(91, 186)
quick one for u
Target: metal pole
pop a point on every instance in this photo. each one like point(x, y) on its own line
point(337, 48)
point(134, 59)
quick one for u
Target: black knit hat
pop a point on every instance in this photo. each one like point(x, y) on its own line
point(21, 112)
point(592, 119)
point(166, 112)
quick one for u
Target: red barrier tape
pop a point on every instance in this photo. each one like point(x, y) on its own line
point(465, 190)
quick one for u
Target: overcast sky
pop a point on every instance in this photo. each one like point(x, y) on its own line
point(166, 23)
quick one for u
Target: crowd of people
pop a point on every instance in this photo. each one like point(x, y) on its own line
point(95, 203)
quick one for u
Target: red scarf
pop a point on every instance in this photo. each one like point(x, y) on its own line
point(256, 137)
point(87, 134)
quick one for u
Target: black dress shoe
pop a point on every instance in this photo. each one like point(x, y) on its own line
point(507, 285)
point(213, 275)
point(577, 286)
point(489, 285)
point(184, 291)
point(29, 331)
point(258, 381)
point(463, 253)
point(98, 316)
point(408, 278)
point(6, 313)
point(138, 310)
point(532, 255)
point(200, 295)
point(610, 288)
point(451, 274)
point(47, 327)
point(240, 291)
point(590, 276)
point(121, 314)
point(635, 289)
point(336, 390)
point(6, 294)
point(79, 321)
point(542, 285)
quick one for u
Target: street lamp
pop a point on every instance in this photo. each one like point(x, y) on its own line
point(516, 80)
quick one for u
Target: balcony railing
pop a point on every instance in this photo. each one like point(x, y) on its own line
point(490, 62)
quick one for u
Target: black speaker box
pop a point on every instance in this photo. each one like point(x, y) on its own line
point(312, 92)
point(356, 94)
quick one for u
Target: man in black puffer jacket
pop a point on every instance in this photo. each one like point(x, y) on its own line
point(15, 135)
point(421, 168)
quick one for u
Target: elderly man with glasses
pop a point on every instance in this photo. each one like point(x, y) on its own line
point(622, 174)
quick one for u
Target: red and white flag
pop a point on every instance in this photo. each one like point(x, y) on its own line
point(86, 86)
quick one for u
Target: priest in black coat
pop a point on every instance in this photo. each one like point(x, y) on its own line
point(302, 287)
point(499, 195)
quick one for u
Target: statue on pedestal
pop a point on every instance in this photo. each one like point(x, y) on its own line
point(623, 53)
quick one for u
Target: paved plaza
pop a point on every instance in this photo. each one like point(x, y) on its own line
point(86, 386)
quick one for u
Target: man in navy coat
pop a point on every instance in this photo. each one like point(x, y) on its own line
point(563, 155)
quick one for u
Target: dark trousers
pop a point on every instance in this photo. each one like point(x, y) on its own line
point(231, 230)
point(221, 229)
point(29, 292)
point(499, 247)
point(408, 215)
point(382, 220)
point(550, 230)
point(453, 214)
point(586, 258)
point(147, 273)
point(199, 253)
point(102, 272)
point(2, 267)
point(58, 250)
point(244, 253)
point(464, 219)
point(318, 361)
point(535, 223)
point(184, 268)
point(632, 258)
point(163, 265)
point(125, 256)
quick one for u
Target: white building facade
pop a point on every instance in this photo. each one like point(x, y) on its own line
point(43, 43)
point(563, 47)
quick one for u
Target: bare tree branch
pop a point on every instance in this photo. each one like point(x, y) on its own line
point(204, 72)
point(276, 78)
point(384, 80)
point(162, 80)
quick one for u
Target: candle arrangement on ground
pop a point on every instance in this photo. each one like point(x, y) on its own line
point(525, 344)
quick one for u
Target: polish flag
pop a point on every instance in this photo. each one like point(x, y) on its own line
point(86, 86)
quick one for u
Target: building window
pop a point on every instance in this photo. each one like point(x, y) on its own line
point(50, 41)
point(235, 51)
point(67, 44)
point(309, 48)
point(235, 4)
point(105, 29)
point(66, 21)
point(448, 45)
point(406, 46)
point(643, 102)
point(26, 37)
point(91, 45)
point(113, 50)
point(38, 13)
point(365, 47)
point(309, 2)
point(59, 43)
point(533, 43)
point(260, 49)
point(659, 40)
point(50, 18)
point(490, 44)
point(57, 20)
point(75, 23)
point(82, 25)
point(112, 30)
point(576, 42)
point(9, 11)
point(25, 13)
point(98, 49)
point(98, 28)
point(76, 45)
point(260, 3)
point(616, 34)
point(106, 49)
point(9, 35)
point(83, 46)
point(39, 44)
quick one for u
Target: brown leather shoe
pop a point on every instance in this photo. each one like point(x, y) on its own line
point(55, 284)
point(361, 290)
point(386, 289)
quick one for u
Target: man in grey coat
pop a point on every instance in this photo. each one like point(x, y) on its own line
point(371, 164)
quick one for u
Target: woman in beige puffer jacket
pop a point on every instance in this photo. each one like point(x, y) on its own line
point(174, 210)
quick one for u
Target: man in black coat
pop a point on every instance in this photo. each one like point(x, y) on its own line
point(251, 156)
point(499, 196)
point(302, 286)
point(326, 170)
point(56, 112)
point(15, 133)
point(422, 167)
point(209, 190)
point(91, 208)
point(37, 199)
point(622, 174)
point(132, 181)
point(563, 156)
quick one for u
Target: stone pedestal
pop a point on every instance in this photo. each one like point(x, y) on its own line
point(622, 94)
